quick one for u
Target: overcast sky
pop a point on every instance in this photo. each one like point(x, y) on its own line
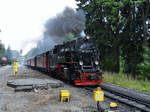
point(22, 21)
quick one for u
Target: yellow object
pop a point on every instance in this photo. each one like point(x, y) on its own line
point(98, 95)
point(98, 89)
point(113, 105)
point(15, 68)
point(64, 94)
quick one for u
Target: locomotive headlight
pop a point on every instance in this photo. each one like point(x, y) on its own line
point(81, 62)
point(96, 62)
point(87, 37)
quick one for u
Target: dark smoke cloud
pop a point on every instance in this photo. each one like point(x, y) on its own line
point(69, 21)
point(59, 29)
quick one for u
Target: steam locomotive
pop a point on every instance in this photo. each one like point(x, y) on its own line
point(76, 61)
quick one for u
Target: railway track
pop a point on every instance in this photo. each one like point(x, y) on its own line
point(136, 102)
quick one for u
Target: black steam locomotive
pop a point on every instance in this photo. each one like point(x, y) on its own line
point(76, 61)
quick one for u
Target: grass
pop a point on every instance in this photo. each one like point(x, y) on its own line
point(123, 80)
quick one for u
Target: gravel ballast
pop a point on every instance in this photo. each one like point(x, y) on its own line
point(44, 100)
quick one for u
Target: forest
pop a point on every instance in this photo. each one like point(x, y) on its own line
point(122, 28)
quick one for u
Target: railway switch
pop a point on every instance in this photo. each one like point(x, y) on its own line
point(64, 94)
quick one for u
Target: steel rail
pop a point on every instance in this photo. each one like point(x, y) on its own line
point(127, 95)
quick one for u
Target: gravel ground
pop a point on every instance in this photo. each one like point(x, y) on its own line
point(44, 100)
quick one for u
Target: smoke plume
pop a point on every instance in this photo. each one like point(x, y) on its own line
point(69, 21)
point(61, 28)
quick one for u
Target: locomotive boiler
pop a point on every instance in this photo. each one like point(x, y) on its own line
point(75, 61)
